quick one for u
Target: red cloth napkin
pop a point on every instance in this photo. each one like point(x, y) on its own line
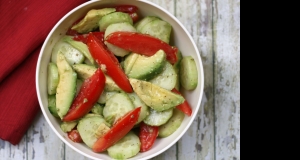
point(24, 27)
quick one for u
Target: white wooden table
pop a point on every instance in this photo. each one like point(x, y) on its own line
point(215, 133)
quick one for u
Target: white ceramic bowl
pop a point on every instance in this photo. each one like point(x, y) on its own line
point(180, 38)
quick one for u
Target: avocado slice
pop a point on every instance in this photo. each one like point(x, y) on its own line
point(85, 71)
point(66, 89)
point(154, 96)
point(146, 68)
point(90, 21)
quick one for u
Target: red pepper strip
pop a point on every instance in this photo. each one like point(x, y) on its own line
point(88, 95)
point(118, 131)
point(83, 38)
point(127, 8)
point(185, 106)
point(148, 135)
point(75, 136)
point(142, 44)
point(134, 17)
point(113, 67)
point(71, 32)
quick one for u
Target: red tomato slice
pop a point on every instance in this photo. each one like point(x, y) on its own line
point(75, 136)
point(127, 8)
point(113, 67)
point(142, 44)
point(185, 106)
point(83, 38)
point(135, 17)
point(148, 135)
point(118, 131)
point(88, 95)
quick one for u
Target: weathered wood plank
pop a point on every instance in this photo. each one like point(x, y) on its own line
point(42, 142)
point(227, 78)
point(71, 154)
point(11, 152)
point(198, 142)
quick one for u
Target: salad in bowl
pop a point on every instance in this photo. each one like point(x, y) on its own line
point(118, 82)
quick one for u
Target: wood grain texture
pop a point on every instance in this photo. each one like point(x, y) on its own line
point(227, 78)
point(196, 16)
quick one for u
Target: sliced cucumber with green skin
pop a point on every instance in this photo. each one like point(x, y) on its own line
point(116, 107)
point(188, 73)
point(176, 67)
point(110, 94)
point(159, 29)
point(167, 78)
point(124, 26)
point(127, 147)
point(68, 126)
point(129, 62)
point(137, 102)
point(116, 17)
point(97, 109)
point(158, 118)
point(86, 71)
point(88, 128)
point(66, 89)
point(154, 96)
point(53, 78)
point(146, 68)
point(83, 48)
point(172, 125)
point(102, 98)
point(139, 25)
point(52, 105)
point(73, 56)
point(90, 21)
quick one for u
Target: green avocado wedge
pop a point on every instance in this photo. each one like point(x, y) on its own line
point(154, 96)
point(66, 89)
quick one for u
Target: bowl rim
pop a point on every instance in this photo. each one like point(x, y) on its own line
point(201, 76)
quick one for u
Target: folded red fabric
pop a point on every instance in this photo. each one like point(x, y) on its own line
point(24, 27)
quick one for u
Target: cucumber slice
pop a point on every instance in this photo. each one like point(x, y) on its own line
point(73, 56)
point(90, 21)
point(66, 89)
point(159, 29)
point(176, 67)
point(146, 68)
point(137, 102)
point(89, 127)
point(139, 25)
point(68, 126)
point(52, 105)
point(116, 17)
point(154, 96)
point(127, 147)
point(172, 125)
point(167, 78)
point(53, 78)
point(97, 109)
point(124, 26)
point(102, 98)
point(116, 107)
point(83, 48)
point(158, 118)
point(188, 73)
